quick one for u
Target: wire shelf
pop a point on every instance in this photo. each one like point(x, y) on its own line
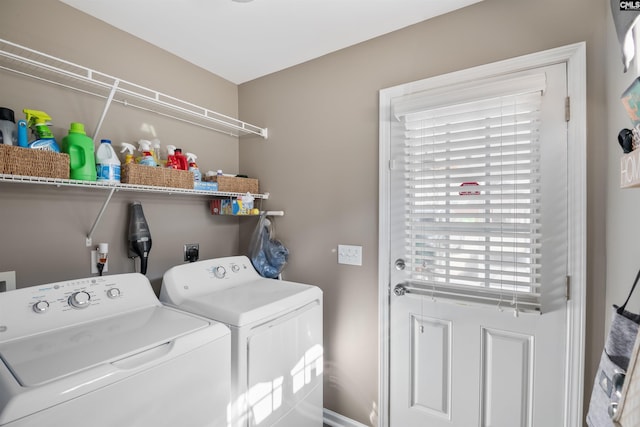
point(49, 69)
point(58, 182)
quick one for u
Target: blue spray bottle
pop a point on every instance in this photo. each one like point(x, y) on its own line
point(44, 140)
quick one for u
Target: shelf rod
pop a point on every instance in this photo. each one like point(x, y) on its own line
point(99, 217)
point(272, 213)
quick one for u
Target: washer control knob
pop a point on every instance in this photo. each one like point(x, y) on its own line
point(220, 272)
point(113, 293)
point(80, 299)
point(235, 268)
point(40, 306)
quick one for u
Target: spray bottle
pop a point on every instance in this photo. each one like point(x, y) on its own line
point(175, 158)
point(193, 167)
point(44, 140)
point(171, 157)
point(147, 159)
point(129, 149)
point(155, 150)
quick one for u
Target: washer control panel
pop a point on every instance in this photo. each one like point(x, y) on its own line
point(71, 295)
point(65, 303)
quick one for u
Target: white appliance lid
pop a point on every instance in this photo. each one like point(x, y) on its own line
point(44, 357)
point(258, 300)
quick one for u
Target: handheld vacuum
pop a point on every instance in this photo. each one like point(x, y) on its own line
point(139, 236)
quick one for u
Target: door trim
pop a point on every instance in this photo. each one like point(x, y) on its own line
point(575, 57)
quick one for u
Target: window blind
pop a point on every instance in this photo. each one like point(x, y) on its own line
point(471, 165)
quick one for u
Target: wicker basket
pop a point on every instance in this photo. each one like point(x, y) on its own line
point(235, 184)
point(29, 162)
point(132, 173)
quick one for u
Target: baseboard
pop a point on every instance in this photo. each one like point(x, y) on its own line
point(334, 419)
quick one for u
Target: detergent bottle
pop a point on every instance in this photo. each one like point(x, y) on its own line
point(129, 149)
point(193, 167)
point(44, 140)
point(82, 161)
point(8, 130)
point(107, 162)
point(181, 160)
point(147, 159)
point(175, 158)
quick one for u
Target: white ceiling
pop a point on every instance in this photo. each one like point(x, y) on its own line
point(241, 41)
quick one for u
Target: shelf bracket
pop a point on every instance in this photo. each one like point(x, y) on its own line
point(99, 217)
point(114, 88)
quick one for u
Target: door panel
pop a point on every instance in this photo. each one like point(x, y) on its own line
point(430, 383)
point(506, 367)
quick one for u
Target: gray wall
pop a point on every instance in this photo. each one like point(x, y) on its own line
point(321, 161)
point(622, 247)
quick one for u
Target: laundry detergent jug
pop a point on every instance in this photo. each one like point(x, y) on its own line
point(82, 161)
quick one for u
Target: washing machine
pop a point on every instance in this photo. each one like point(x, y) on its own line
point(276, 336)
point(104, 352)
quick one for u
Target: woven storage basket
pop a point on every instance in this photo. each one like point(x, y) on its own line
point(29, 162)
point(132, 173)
point(234, 184)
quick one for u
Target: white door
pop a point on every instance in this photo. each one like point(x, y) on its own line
point(487, 353)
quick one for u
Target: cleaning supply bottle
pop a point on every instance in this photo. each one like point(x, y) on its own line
point(107, 162)
point(23, 134)
point(171, 157)
point(175, 158)
point(147, 159)
point(193, 167)
point(181, 160)
point(79, 146)
point(155, 151)
point(44, 140)
point(128, 148)
point(8, 131)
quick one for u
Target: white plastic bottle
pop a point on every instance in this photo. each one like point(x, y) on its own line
point(193, 167)
point(107, 162)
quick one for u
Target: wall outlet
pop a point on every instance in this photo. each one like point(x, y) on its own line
point(349, 254)
point(191, 252)
point(94, 263)
point(7, 281)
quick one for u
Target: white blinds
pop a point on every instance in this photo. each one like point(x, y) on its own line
point(472, 192)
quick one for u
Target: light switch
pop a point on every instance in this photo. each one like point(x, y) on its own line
point(7, 281)
point(349, 254)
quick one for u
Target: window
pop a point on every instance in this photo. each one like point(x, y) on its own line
point(471, 161)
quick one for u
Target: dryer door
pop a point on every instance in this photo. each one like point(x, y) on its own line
point(285, 365)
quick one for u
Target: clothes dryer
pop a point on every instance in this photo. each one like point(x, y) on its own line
point(276, 334)
point(104, 352)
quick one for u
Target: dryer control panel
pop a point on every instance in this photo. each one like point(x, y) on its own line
point(187, 281)
point(53, 305)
